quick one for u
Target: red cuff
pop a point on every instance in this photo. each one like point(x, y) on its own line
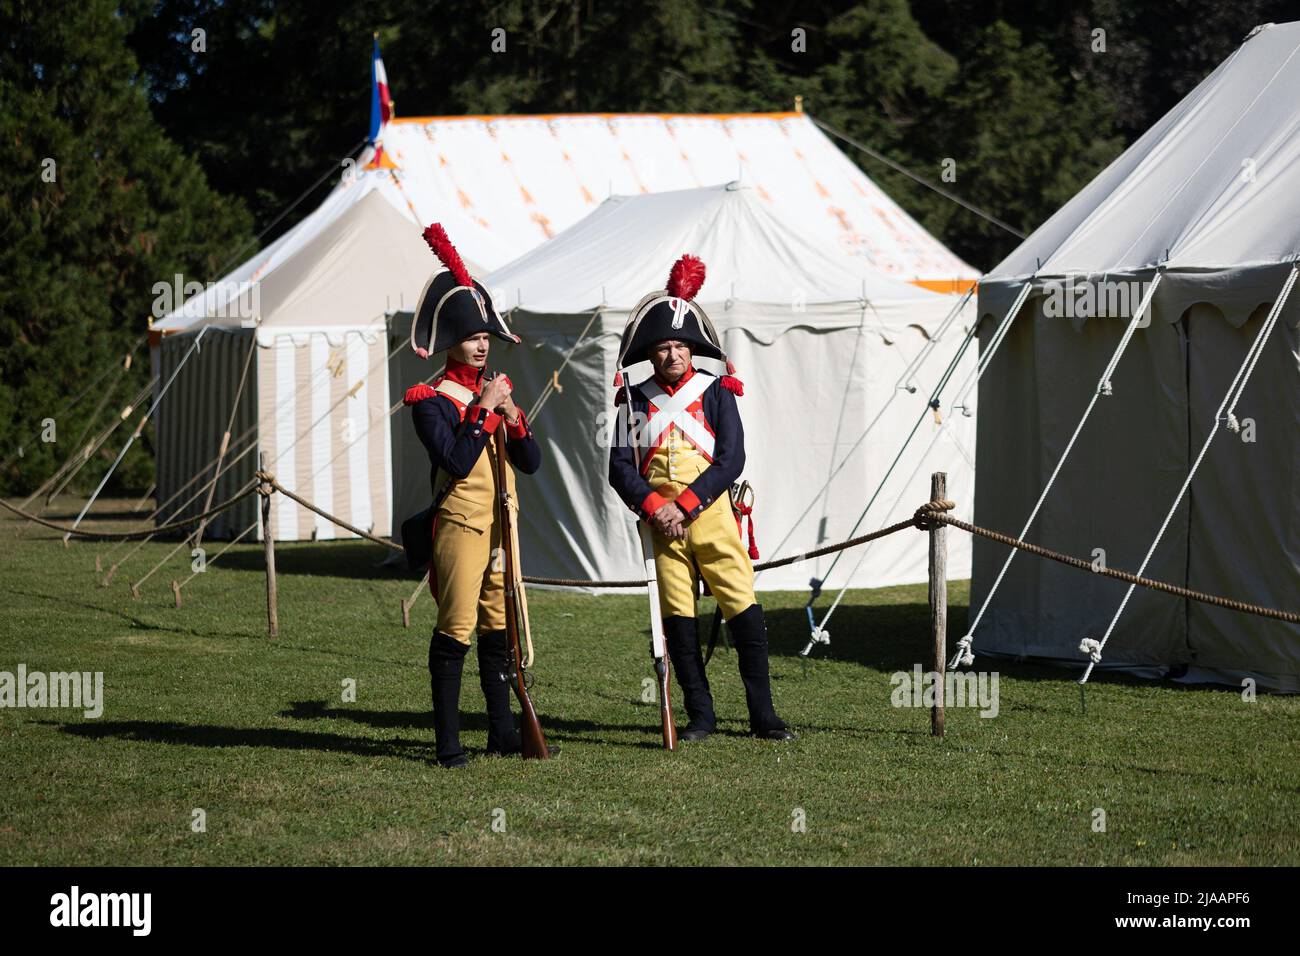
point(489, 420)
point(653, 502)
point(519, 430)
point(688, 501)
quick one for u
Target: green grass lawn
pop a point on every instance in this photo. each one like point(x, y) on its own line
point(203, 710)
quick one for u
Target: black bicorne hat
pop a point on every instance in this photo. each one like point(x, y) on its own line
point(454, 305)
point(671, 314)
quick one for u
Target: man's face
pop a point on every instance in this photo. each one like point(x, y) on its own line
point(473, 350)
point(671, 359)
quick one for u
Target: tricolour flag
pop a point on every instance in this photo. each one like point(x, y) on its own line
point(381, 109)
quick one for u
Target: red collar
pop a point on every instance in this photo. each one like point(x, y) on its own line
point(670, 389)
point(463, 374)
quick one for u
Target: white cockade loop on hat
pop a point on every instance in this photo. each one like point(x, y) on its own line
point(680, 309)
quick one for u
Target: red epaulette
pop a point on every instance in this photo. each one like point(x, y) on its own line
point(418, 393)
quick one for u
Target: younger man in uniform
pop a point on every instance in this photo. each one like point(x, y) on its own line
point(456, 418)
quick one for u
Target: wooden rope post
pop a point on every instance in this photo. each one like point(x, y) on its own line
point(268, 540)
point(938, 602)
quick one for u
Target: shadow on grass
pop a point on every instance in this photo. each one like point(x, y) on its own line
point(888, 637)
point(557, 728)
point(334, 559)
point(62, 513)
point(896, 637)
point(203, 735)
point(420, 750)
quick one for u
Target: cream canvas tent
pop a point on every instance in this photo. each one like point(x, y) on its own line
point(316, 401)
point(1209, 198)
point(512, 182)
point(320, 295)
point(821, 341)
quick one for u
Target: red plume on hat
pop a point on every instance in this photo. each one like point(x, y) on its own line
point(684, 281)
point(686, 277)
point(438, 241)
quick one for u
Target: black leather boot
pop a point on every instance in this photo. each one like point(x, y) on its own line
point(446, 661)
point(749, 637)
point(688, 664)
point(494, 678)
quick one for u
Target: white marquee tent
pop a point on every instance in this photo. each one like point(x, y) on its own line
point(319, 297)
point(1209, 198)
point(317, 396)
point(820, 340)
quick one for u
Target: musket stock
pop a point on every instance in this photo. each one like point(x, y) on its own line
point(658, 644)
point(530, 728)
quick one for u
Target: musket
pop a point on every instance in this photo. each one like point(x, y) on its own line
point(658, 645)
point(530, 728)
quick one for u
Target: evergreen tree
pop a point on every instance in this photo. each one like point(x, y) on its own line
point(97, 205)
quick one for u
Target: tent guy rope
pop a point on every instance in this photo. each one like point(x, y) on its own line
point(1094, 648)
point(963, 653)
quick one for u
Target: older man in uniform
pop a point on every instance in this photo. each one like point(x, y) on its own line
point(456, 418)
point(691, 450)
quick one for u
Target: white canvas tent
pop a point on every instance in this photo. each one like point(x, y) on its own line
point(318, 391)
point(319, 296)
point(820, 340)
point(505, 184)
point(1210, 197)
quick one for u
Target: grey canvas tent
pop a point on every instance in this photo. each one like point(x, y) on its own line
point(1208, 200)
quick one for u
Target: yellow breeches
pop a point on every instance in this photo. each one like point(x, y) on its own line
point(712, 548)
point(470, 591)
point(471, 586)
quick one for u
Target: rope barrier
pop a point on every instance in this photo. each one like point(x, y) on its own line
point(132, 535)
point(1289, 616)
point(267, 484)
point(927, 517)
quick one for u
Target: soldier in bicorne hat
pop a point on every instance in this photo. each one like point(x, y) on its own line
point(456, 418)
point(689, 450)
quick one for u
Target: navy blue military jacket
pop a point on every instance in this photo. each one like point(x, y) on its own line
point(455, 450)
point(723, 418)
